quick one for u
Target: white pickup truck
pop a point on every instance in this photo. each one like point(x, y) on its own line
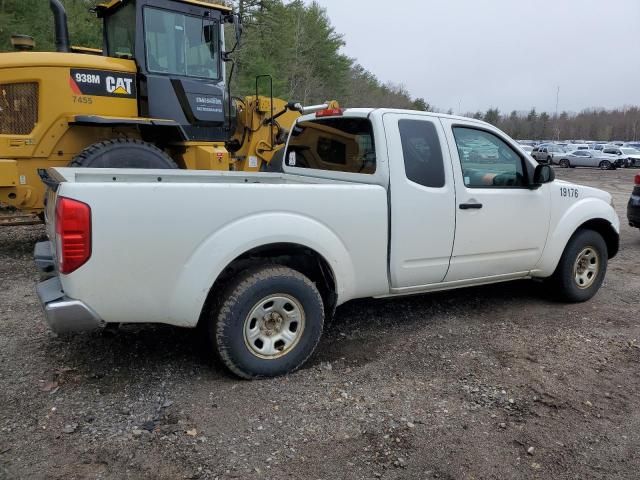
point(369, 203)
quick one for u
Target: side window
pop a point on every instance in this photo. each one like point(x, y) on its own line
point(423, 162)
point(487, 161)
point(335, 144)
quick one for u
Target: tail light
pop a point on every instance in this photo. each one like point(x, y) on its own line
point(73, 234)
point(637, 179)
point(330, 112)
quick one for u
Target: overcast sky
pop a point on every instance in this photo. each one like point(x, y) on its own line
point(470, 55)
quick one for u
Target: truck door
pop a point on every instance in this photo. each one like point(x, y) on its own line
point(501, 224)
point(422, 197)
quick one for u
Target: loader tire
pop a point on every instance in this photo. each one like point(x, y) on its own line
point(267, 322)
point(123, 153)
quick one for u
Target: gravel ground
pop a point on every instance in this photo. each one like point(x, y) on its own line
point(493, 382)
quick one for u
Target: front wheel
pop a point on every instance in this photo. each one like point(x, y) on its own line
point(582, 268)
point(564, 163)
point(605, 165)
point(269, 322)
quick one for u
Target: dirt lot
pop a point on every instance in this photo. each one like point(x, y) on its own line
point(495, 382)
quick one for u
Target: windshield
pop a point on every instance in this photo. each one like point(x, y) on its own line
point(121, 32)
point(178, 44)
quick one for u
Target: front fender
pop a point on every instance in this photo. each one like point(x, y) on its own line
point(563, 228)
point(216, 252)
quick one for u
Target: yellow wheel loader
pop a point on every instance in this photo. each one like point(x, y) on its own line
point(156, 96)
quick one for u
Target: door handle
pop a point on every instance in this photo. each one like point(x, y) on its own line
point(470, 206)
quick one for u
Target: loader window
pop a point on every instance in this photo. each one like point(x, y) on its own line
point(178, 44)
point(336, 144)
point(121, 32)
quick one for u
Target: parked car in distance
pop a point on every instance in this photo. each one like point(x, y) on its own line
point(635, 145)
point(527, 148)
point(626, 157)
point(577, 146)
point(633, 208)
point(544, 153)
point(586, 158)
point(340, 222)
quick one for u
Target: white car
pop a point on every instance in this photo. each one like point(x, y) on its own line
point(577, 146)
point(626, 157)
point(527, 148)
point(370, 203)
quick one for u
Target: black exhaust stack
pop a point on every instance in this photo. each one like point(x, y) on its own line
point(61, 27)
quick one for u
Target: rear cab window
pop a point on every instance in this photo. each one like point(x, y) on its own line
point(344, 144)
point(423, 162)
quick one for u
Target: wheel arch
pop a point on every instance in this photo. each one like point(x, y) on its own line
point(293, 255)
point(277, 237)
point(604, 228)
point(154, 131)
point(594, 214)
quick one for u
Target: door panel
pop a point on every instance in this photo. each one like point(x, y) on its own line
point(422, 200)
point(505, 230)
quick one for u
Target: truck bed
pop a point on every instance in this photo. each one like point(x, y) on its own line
point(160, 239)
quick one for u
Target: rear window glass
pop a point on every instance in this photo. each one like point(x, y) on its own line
point(422, 153)
point(335, 144)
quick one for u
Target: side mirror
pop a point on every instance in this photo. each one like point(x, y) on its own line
point(239, 27)
point(543, 174)
point(236, 19)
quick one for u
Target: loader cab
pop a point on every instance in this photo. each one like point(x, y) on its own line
point(178, 46)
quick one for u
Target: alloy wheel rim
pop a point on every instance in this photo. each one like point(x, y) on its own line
point(586, 268)
point(274, 326)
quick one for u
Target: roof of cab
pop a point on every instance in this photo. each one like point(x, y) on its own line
point(366, 112)
point(200, 3)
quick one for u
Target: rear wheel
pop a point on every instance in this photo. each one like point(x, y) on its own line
point(123, 153)
point(582, 268)
point(564, 163)
point(268, 323)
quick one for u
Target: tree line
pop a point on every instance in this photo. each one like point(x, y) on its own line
point(298, 46)
point(589, 124)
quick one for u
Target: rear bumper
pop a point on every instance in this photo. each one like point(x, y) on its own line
point(63, 314)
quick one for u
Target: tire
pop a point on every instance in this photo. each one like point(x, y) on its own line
point(123, 153)
point(564, 163)
point(605, 165)
point(566, 280)
point(248, 335)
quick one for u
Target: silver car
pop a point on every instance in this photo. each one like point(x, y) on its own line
point(545, 153)
point(586, 158)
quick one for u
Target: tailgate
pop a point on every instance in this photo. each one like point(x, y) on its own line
point(52, 180)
